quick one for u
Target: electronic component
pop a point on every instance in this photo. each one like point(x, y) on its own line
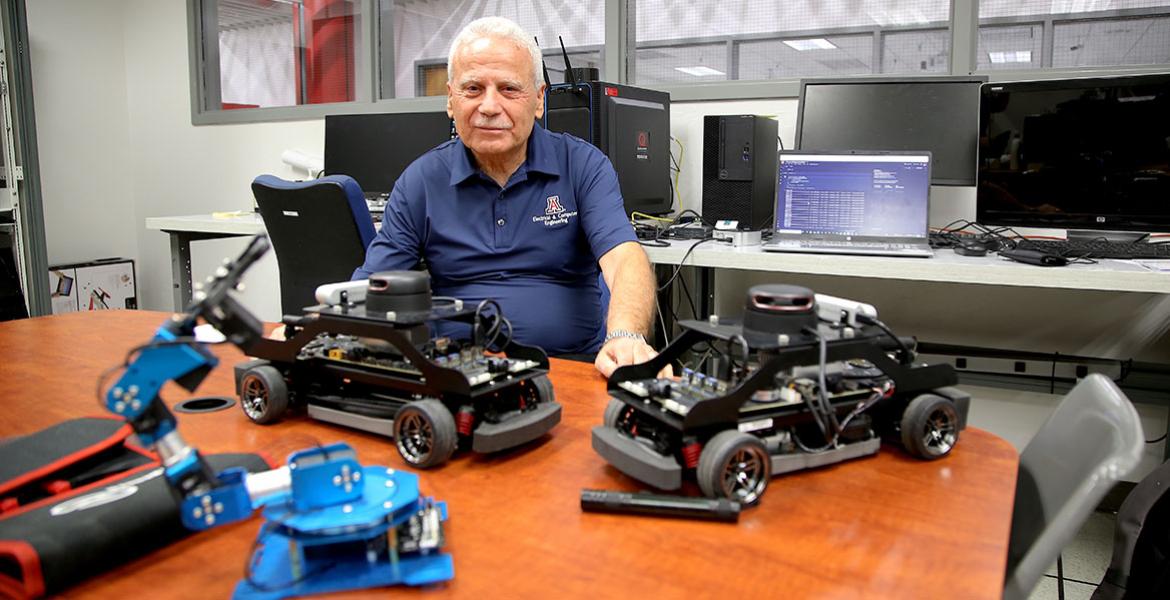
point(1085, 153)
point(939, 114)
point(328, 516)
point(376, 148)
point(370, 361)
point(1034, 257)
point(739, 238)
point(630, 125)
point(803, 380)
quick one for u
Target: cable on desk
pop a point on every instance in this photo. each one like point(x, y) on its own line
point(682, 262)
point(690, 300)
point(962, 232)
point(662, 323)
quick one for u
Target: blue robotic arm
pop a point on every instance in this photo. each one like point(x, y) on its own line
point(173, 354)
point(344, 526)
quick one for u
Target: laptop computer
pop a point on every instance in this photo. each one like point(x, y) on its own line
point(867, 203)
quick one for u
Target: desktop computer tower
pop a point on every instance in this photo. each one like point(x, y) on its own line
point(630, 125)
point(739, 169)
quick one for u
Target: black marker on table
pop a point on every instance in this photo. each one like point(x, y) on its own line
point(640, 503)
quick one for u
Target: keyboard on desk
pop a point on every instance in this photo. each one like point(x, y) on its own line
point(1097, 248)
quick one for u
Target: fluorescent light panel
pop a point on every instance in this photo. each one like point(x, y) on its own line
point(1019, 56)
point(699, 71)
point(810, 44)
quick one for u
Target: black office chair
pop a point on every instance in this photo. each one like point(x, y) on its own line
point(1140, 567)
point(319, 230)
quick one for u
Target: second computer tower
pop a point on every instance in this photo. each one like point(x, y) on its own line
point(739, 169)
point(631, 125)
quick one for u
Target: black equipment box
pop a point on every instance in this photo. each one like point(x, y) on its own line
point(739, 169)
point(630, 125)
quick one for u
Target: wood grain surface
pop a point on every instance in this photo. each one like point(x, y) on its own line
point(889, 526)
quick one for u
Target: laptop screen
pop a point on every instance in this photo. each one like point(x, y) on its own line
point(884, 195)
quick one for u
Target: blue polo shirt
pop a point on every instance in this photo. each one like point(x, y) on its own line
point(532, 246)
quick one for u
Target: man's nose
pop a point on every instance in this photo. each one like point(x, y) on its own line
point(491, 102)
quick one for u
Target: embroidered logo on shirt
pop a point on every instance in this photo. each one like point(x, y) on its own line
point(554, 213)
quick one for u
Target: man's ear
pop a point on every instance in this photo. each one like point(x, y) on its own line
point(450, 109)
point(540, 100)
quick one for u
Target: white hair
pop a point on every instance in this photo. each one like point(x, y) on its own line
point(498, 28)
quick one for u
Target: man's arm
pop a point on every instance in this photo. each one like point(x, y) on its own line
point(632, 291)
point(397, 245)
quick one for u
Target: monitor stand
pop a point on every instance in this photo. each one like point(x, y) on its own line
point(1086, 235)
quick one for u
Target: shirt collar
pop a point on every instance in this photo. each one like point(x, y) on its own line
point(540, 157)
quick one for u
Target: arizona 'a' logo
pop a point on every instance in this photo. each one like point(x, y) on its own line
point(554, 206)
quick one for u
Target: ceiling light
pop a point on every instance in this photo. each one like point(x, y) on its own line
point(1019, 56)
point(699, 71)
point(810, 44)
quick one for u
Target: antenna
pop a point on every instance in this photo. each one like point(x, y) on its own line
point(569, 77)
point(543, 67)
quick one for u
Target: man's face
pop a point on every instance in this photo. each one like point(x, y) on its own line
point(492, 97)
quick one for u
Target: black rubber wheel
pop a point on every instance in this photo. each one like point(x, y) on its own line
point(613, 412)
point(734, 465)
point(543, 389)
point(263, 394)
point(424, 432)
point(930, 427)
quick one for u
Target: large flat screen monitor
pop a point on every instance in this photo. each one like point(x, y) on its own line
point(937, 114)
point(1091, 153)
point(374, 149)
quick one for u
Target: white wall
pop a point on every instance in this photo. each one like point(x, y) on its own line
point(83, 129)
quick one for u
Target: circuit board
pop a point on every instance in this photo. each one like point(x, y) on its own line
point(470, 360)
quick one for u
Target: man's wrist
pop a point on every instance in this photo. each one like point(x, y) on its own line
point(623, 333)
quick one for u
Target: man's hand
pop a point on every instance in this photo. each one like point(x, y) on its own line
point(622, 351)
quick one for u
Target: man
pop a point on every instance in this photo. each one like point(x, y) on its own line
point(513, 212)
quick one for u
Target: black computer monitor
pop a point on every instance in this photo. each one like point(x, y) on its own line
point(938, 114)
point(1090, 153)
point(374, 149)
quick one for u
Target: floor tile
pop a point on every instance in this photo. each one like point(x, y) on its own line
point(1087, 556)
point(1046, 590)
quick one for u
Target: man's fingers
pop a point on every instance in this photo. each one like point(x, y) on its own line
point(605, 363)
point(624, 351)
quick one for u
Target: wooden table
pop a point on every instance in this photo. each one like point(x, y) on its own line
point(883, 527)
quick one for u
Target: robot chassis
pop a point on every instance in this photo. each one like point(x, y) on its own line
point(805, 380)
point(366, 358)
point(330, 523)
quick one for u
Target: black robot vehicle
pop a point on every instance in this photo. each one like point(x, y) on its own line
point(368, 357)
point(805, 380)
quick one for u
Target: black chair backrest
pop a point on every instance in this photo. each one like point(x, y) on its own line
point(315, 234)
point(1140, 567)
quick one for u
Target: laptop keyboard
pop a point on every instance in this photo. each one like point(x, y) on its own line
point(853, 244)
point(871, 248)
